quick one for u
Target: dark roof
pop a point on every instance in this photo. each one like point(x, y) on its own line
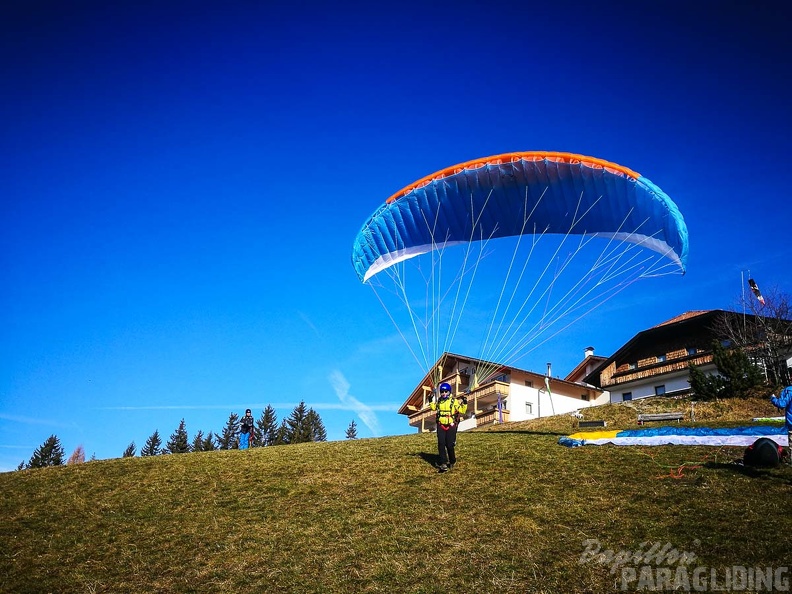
point(693, 329)
point(596, 359)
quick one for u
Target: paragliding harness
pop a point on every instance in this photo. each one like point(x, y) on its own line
point(764, 453)
point(454, 417)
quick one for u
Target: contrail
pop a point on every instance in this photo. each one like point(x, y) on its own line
point(365, 412)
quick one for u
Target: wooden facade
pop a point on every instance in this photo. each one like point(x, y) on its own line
point(665, 350)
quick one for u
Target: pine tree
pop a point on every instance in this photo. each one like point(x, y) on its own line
point(267, 426)
point(50, 453)
point(351, 432)
point(282, 434)
point(153, 445)
point(228, 439)
point(178, 443)
point(77, 457)
point(197, 442)
point(203, 443)
point(737, 377)
point(130, 450)
point(316, 426)
point(209, 443)
point(298, 429)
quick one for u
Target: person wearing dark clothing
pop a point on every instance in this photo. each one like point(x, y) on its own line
point(449, 413)
point(246, 431)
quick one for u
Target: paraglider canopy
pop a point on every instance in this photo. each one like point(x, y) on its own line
point(515, 194)
point(579, 230)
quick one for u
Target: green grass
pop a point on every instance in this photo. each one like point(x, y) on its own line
point(374, 516)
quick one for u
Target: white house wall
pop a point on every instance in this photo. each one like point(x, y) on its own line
point(646, 388)
point(544, 404)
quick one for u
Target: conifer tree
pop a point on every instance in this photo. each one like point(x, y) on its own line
point(228, 439)
point(267, 426)
point(316, 426)
point(737, 377)
point(197, 442)
point(130, 450)
point(209, 443)
point(351, 432)
point(77, 457)
point(282, 434)
point(50, 453)
point(178, 442)
point(298, 425)
point(153, 445)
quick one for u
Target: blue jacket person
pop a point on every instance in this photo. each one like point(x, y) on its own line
point(784, 400)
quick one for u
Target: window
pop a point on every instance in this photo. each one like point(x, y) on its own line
point(584, 396)
point(691, 351)
point(631, 366)
point(528, 384)
point(528, 408)
point(627, 396)
point(661, 358)
point(659, 390)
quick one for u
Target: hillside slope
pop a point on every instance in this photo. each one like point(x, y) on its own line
point(516, 515)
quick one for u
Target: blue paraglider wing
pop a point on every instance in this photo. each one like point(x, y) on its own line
point(520, 193)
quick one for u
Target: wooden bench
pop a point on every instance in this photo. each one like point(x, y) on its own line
point(585, 424)
point(669, 416)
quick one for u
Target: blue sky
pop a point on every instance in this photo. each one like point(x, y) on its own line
point(181, 184)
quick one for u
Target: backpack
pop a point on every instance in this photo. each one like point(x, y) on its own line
point(763, 453)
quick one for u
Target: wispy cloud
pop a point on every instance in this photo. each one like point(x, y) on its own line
point(352, 405)
point(309, 323)
point(34, 421)
point(365, 412)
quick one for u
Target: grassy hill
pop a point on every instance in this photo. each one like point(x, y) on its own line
point(517, 514)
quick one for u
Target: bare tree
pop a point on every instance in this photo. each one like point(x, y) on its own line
point(763, 330)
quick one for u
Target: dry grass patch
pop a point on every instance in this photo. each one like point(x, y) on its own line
point(374, 516)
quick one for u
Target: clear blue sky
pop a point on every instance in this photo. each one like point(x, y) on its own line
point(180, 185)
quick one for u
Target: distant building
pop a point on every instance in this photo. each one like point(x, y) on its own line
point(655, 362)
point(507, 394)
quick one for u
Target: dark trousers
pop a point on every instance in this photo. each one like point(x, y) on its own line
point(446, 440)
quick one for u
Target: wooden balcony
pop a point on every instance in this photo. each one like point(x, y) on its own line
point(490, 417)
point(482, 404)
point(427, 413)
point(490, 389)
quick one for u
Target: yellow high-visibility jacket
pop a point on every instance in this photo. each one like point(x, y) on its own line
point(449, 410)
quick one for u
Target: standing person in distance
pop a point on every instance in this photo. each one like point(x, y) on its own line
point(246, 430)
point(449, 412)
point(784, 400)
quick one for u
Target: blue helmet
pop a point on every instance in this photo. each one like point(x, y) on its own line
point(445, 387)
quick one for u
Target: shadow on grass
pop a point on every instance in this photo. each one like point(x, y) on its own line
point(432, 460)
point(523, 432)
point(772, 474)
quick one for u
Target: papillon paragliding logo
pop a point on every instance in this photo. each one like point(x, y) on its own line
point(501, 253)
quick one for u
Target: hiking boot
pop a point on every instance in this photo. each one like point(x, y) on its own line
point(442, 468)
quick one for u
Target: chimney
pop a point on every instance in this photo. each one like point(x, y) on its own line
point(548, 370)
point(588, 352)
